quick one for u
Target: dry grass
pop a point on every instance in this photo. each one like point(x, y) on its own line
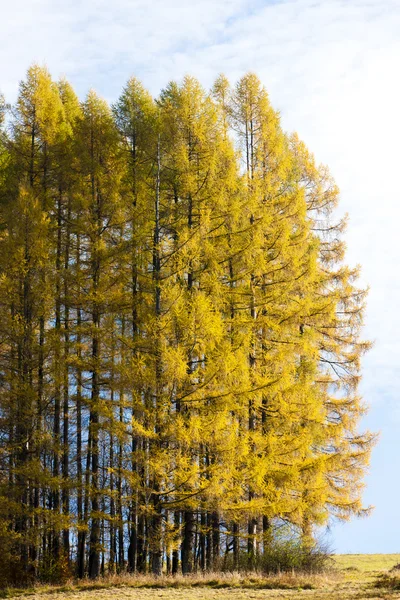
point(354, 577)
point(214, 581)
point(367, 562)
point(389, 580)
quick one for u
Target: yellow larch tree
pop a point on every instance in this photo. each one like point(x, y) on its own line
point(180, 336)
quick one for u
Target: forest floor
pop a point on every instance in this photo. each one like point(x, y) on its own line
point(353, 577)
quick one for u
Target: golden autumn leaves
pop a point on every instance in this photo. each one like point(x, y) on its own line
point(179, 337)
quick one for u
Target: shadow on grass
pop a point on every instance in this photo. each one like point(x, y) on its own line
point(387, 581)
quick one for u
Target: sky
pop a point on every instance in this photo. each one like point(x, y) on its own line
point(331, 68)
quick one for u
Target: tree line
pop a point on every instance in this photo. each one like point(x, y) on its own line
point(179, 335)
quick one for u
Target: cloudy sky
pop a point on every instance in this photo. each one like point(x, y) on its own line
point(332, 68)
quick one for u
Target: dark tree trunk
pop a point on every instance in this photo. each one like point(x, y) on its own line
point(236, 546)
point(187, 543)
point(202, 543)
point(65, 458)
point(215, 541)
point(175, 551)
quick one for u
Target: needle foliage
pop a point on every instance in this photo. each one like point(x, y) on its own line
point(179, 333)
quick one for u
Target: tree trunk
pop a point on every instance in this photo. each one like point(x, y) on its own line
point(215, 541)
point(80, 508)
point(175, 552)
point(187, 543)
point(66, 451)
point(236, 546)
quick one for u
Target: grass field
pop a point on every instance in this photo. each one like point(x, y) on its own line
point(352, 577)
point(367, 562)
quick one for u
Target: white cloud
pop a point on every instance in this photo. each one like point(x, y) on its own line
point(331, 67)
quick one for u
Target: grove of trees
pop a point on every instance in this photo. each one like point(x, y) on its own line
point(179, 335)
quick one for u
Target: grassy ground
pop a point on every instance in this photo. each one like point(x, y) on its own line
point(367, 562)
point(353, 577)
